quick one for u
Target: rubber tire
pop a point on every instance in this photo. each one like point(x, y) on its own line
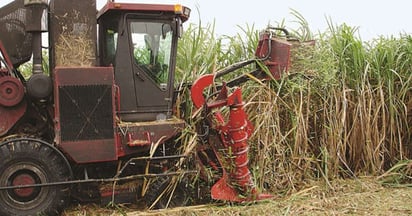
point(180, 196)
point(45, 165)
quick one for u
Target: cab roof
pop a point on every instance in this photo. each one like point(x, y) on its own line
point(177, 9)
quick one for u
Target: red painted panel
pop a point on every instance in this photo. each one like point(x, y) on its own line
point(5, 55)
point(278, 60)
point(90, 151)
point(84, 151)
point(139, 136)
point(83, 75)
point(115, 6)
point(9, 116)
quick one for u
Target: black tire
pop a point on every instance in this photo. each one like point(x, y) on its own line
point(29, 161)
point(163, 188)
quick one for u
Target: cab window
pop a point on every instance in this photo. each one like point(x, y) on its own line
point(152, 44)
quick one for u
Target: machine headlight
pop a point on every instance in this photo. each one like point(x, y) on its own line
point(186, 11)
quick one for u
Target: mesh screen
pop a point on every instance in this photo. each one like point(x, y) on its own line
point(86, 112)
point(17, 42)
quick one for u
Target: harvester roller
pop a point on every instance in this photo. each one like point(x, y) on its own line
point(236, 183)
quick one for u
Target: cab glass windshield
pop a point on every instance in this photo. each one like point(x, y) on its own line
point(152, 44)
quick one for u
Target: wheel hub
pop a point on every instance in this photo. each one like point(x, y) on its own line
point(23, 179)
point(24, 174)
point(11, 91)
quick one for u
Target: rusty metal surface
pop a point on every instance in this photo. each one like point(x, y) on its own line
point(149, 8)
point(5, 57)
point(276, 52)
point(17, 41)
point(10, 116)
point(89, 151)
point(85, 113)
point(11, 91)
point(138, 136)
point(73, 32)
point(174, 122)
point(83, 75)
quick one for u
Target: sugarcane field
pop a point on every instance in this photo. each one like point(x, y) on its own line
point(159, 116)
point(332, 137)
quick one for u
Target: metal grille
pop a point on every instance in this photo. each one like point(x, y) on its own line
point(86, 112)
point(17, 42)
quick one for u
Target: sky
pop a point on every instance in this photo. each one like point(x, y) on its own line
point(374, 18)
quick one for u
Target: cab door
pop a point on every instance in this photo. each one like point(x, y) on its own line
point(151, 64)
point(144, 68)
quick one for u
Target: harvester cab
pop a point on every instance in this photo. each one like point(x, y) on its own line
point(142, 48)
point(95, 122)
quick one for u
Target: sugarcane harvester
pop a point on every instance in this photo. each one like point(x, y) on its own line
point(96, 121)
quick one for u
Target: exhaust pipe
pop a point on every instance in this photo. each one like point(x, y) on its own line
point(39, 85)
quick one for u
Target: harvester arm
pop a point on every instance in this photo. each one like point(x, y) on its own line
point(236, 183)
point(230, 142)
point(272, 51)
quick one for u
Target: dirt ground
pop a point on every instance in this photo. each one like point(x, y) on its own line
point(363, 196)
